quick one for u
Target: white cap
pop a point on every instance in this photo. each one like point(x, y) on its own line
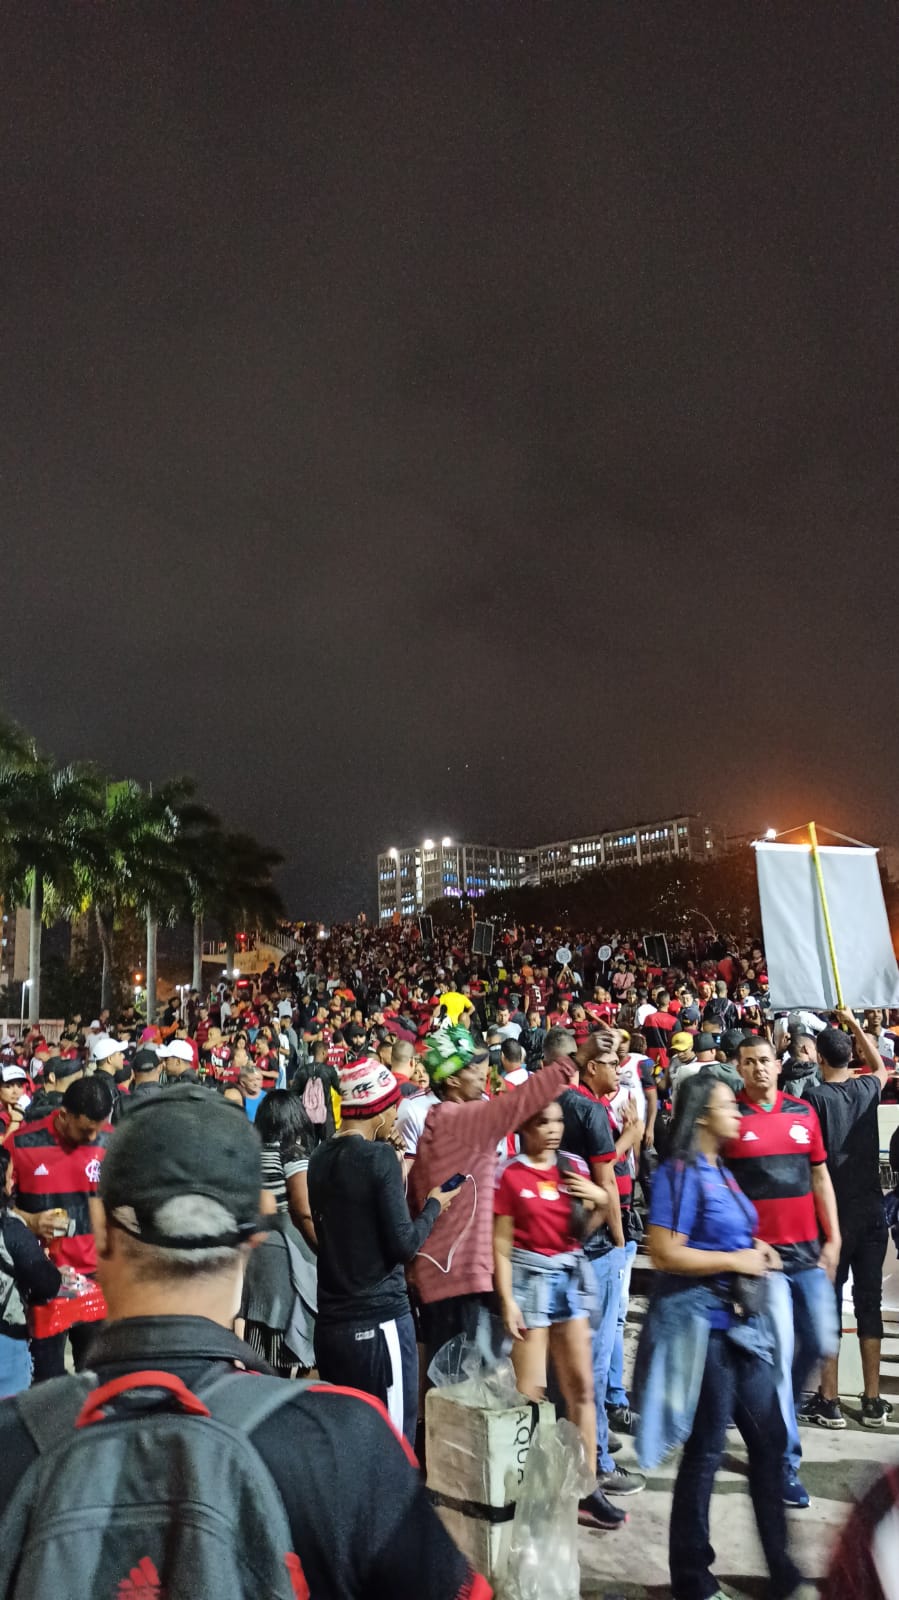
point(12, 1073)
point(180, 1049)
point(96, 1024)
point(106, 1047)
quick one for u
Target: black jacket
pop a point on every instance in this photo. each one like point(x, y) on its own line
point(356, 1476)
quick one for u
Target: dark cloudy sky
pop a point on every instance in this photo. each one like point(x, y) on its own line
point(482, 419)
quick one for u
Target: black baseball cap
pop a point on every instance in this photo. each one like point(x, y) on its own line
point(63, 1066)
point(145, 1060)
point(185, 1141)
point(731, 1041)
point(705, 1041)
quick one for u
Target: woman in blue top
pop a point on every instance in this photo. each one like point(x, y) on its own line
point(702, 1226)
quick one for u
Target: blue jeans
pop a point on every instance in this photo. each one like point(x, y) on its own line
point(616, 1394)
point(741, 1385)
point(15, 1366)
point(608, 1275)
point(803, 1310)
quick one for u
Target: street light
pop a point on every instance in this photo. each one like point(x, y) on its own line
point(446, 841)
point(428, 844)
point(770, 833)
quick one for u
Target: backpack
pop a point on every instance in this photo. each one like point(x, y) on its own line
point(314, 1103)
point(163, 1498)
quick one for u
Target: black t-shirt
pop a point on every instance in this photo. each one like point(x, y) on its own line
point(361, 1522)
point(847, 1113)
point(588, 1134)
point(364, 1230)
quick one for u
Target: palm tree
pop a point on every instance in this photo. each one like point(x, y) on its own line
point(244, 896)
point(180, 829)
point(48, 818)
point(202, 850)
point(146, 835)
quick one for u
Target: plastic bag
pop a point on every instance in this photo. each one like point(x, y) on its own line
point(474, 1371)
point(542, 1561)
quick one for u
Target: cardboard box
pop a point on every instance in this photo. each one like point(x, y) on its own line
point(476, 1460)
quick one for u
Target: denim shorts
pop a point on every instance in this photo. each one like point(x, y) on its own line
point(547, 1298)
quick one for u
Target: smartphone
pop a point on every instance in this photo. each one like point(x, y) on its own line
point(452, 1183)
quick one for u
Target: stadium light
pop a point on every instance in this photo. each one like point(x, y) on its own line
point(428, 844)
point(446, 841)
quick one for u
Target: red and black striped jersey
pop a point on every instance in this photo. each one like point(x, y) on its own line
point(49, 1173)
point(772, 1162)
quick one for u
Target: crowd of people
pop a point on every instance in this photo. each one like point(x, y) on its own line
point(415, 1138)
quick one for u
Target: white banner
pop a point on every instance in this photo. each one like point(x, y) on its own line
point(799, 966)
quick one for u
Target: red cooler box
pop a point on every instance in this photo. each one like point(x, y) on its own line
point(58, 1315)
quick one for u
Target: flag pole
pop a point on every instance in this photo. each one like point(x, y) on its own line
point(813, 837)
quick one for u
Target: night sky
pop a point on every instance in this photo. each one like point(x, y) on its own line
point(429, 418)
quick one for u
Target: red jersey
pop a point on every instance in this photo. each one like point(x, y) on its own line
point(538, 1205)
point(535, 997)
point(772, 1162)
point(50, 1173)
point(600, 1010)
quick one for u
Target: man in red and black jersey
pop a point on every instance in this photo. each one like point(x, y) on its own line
point(56, 1162)
point(780, 1162)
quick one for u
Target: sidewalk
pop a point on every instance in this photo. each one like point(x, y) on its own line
point(837, 1467)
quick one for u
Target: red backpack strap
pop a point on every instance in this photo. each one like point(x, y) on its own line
point(92, 1410)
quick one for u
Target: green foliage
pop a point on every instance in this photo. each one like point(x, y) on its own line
point(82, 842)
point(669, 895)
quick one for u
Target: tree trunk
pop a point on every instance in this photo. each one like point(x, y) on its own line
point(197, 976)
point(105, 929)
point(152, 927)
point(34, 947)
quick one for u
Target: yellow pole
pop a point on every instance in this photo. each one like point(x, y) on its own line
point(813, 836)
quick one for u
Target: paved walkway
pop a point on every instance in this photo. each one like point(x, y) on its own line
point(837, 1467)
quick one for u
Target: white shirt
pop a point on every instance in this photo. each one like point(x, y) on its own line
point(411, 1119)
point(644, 1011)
point(629, 1084)
point(687, 1069)
point(510, 1030)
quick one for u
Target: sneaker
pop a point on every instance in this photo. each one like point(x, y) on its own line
point(826, 1413)
point(598, 1512)
point(621, 1481)
point(875, 1411)
point(614, 1444)
point(621, 1417)
point(794, 1494)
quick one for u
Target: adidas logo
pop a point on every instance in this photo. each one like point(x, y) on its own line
point(143, 1582)
point(42, 1171)
point(749, 1135)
